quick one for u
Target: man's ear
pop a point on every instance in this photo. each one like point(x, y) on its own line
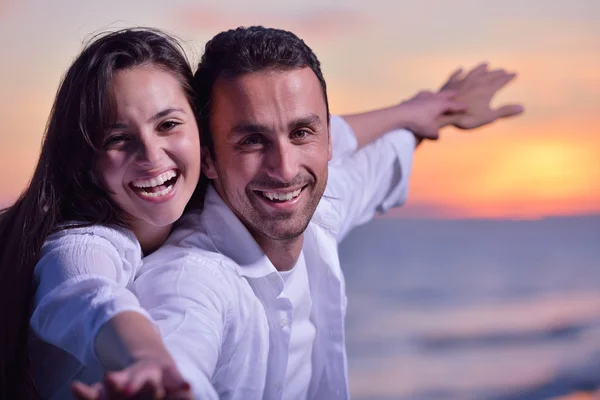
point(329, 146)
point(208, 165)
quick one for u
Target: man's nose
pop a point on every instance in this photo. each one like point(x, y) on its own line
point(283, 161)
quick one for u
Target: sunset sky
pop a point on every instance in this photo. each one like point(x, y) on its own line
point(374, 53)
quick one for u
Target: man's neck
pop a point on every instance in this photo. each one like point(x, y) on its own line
point(283, 254)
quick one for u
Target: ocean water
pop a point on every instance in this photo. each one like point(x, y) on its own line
point(473, 309)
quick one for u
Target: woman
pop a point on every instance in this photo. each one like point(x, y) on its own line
point(119, 163)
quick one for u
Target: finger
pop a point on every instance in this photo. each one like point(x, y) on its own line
point(174, 382)
point(434, 135)
point(446, 94)
point(479, 70)
point(81, 391)
point(146, 379)
point(494, 74)
point(446, 120)
point(509, 110)
point(115, 382)
point(152, 390)
point(455, 107)
point(452, 80)
point(181, 395)
point(431, 132)
point(424, 94)
point(502, 81)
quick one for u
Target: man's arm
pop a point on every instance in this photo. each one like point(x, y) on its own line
point(373, 179)
point(419, 114)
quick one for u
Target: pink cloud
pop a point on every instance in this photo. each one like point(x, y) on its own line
point(323, 24)
point(5, 7)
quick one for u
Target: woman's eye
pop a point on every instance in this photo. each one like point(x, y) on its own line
point(168, 125)
point(116, 140)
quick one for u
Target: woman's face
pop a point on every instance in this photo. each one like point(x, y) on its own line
point(150, 160)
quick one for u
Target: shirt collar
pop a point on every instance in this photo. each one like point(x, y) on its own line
point(232, 239)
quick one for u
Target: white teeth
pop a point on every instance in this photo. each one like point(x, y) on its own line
point(159, 180)
point(281, 196)
point(157, 194)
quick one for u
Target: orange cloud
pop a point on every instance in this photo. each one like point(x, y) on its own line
point(310, 24)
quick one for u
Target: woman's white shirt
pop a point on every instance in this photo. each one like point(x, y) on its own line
point(81, 281)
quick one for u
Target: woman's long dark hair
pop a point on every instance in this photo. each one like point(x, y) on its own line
point(65, 186)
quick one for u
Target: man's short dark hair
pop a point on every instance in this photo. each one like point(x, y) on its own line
point(244, 50)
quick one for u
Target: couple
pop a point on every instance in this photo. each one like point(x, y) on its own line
point(244, 296)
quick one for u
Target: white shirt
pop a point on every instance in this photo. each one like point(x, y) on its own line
point(373, 179)
point(81, 281)
point(302, 331)
point(84, 278)
point(343, 140)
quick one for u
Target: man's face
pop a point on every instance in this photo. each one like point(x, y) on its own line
point(272, 146)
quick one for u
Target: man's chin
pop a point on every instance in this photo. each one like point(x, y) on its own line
point(283, 229)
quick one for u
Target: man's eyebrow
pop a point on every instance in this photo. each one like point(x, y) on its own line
point(244, 128)
point(308, 120)
point(158, 115)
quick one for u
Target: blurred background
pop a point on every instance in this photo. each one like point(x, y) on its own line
point(486, 285)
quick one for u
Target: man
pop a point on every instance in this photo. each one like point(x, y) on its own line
point(260, 301)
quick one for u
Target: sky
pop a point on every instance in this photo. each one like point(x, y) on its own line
point(374, 53)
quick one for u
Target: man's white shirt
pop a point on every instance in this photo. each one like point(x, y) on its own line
point(372, 180)
point(296, 288)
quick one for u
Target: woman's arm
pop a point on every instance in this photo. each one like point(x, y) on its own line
point(130, 345)
point(83, 306)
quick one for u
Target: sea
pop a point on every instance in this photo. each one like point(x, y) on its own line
point(473, 309)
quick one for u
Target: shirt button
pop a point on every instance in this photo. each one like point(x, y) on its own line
point(278, 387)
point(283, 322)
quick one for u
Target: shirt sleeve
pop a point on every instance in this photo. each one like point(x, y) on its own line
point(190, 299)
point(373, 179)
point(81, 282)
point(343, 140)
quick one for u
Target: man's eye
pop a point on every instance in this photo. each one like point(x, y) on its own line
point(300, 134)
point(168, 125)
point(252, 140)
